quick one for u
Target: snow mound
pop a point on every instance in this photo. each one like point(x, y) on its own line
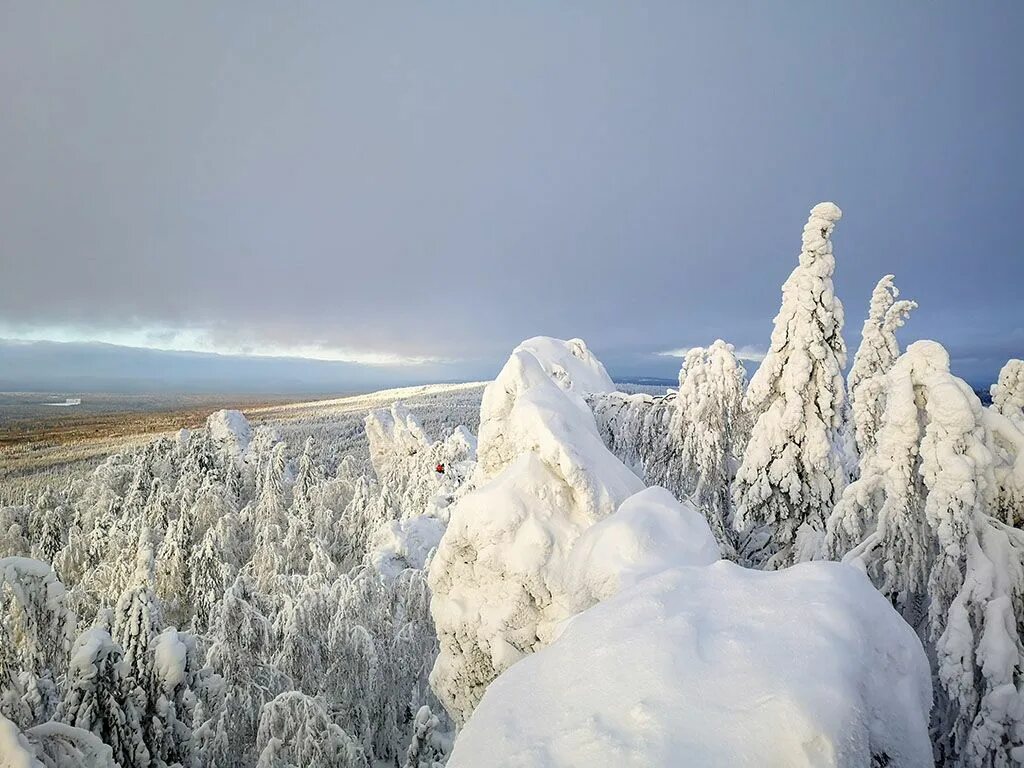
point(499, 579)
point(716, 666)
point(230, 430)
point(650, 532)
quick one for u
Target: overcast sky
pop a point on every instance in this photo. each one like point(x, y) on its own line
point(429, 183)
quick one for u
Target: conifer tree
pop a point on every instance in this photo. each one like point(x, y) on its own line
point(792, 471)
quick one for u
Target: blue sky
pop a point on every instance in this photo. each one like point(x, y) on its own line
point(414, 188)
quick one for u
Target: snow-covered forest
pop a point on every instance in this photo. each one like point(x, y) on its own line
point(821, 566)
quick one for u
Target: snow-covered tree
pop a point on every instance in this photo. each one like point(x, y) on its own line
point(138, 618)
point(35, 635)
point(876, 354)
point(425, 750)
point(919, 521)
point(52, 745)
point(97, 699)
point(175, 664)
point(240, 656)
point(793, 471)
point(637, 428)
point(215, 564)
point(296, 731)
point(711, 428)
point(1008, 392)
point(174, 566)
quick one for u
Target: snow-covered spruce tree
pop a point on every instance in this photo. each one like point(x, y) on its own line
point(176, 666)
point(35, 635)
point(215, 564)
point(138, 619)
point(97, 699)
point(239, 655)
point(710, 424)
point(173, 569)
point(637, 428)
point(792, 471)
point(876, 354)
point(1008, 392)
point(52, 745)
point(424, 750)
point(296, 730)
point(919, 521)
point(1008, 404)
point(14, 535)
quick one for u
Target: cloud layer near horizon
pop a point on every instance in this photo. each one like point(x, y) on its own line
point(441, 182)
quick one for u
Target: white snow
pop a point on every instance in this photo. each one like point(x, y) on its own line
point(543, 476)
point(92, 644)
point(15, 751)
point(230, 430)
point(715, 666)
point(649, 532)
point(170, 655)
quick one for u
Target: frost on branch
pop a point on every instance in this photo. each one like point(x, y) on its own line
point(543, 477)
point(792, 471)
point(920, 521)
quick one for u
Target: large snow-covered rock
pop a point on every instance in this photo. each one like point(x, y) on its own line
point(536, 405)
point(499, 578)
point(230, 430)
point(716, 666)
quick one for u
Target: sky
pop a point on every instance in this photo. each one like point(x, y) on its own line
point(410, 189)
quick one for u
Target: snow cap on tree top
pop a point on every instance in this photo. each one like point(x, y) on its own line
point(820, 225)
point(827, 210)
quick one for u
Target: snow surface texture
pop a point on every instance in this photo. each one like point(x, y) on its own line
point(716, 666)
point(499, 579)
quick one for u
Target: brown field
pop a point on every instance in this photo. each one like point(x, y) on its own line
point(40, 439)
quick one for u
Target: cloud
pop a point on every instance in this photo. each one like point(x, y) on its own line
point(204, 341)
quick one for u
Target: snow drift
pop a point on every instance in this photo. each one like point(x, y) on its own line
point(716, 666)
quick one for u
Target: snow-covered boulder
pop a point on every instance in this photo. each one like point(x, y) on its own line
point(716, 666)
point(230, 431)
point(499, 578)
